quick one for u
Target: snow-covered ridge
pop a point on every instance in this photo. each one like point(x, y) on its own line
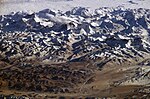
point(76, 35)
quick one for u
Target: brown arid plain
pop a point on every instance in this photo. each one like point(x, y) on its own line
point(73, 80)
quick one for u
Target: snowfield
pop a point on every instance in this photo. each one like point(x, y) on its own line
point(113, 33)
point(75, 30)
point(8, 6)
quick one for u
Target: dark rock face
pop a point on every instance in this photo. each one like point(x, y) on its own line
point(11, 97)
point(62, 37)
point(57, 52)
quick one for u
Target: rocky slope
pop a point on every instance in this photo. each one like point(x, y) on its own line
point(77, 34)
point(63, 51)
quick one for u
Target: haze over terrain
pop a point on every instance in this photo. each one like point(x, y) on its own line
point(8, 6)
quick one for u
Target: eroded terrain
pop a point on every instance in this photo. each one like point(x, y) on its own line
point(53, 54)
